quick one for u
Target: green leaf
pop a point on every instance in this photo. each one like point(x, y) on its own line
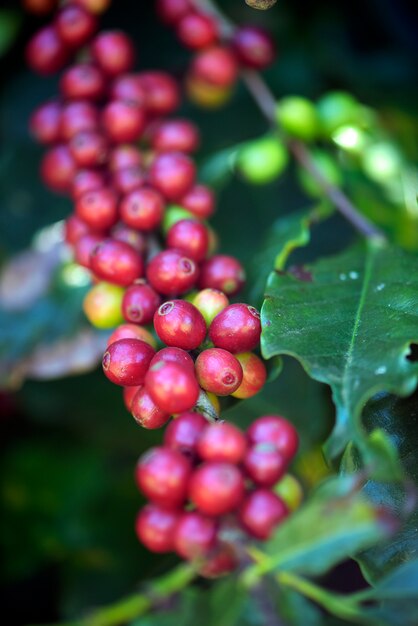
point(349, 320)
point(10, 22)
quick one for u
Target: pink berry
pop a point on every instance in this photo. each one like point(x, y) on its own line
point(113, 51)
point(137, 240)
point(171, 11)
point(127, 180)
point(200, 201)
point(194, 535)
point(128, 87)
point(254, 47)
point(197, 31)
point(173, 387)
point(175, 136)
point(276, 430)
point(46, 53)
point(45, 123)
point(163, 476)
point(58, 168)
point(139, 303)
point(222, 272)
point(83, 81)
point(84, 246)
point(237, 328)
point(89, 148)
point(123, 121)
point(75, 25)
point(78, 116)
point(222, 441)
point(155, 528)
point(146, 413)
point(218, 371)
point(98, 208)
point(216, 66)
point(171, 273)
point(126, 361)
point(261, 512)
point(184, 431)
point(173, 174)
point(87, 180)
point(116, 262)
point(143, 208)
point(264, 464)
point(124, 156)
point(174, 355)
point(162, 92)
point(216, 488)
point(178, 323)
point(190, 237)
point(131, 331)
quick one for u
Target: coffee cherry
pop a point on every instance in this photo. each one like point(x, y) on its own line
point(298, 117)
point(174, 214)
point(221, 561)
point(131, 331)
point(205, 94)
point(98, 208)
point(86, 180)
point(254, 375)
point(94, 6)
point(146, 413)
point(222, 272)
point(142, 208)
point(178, 323)
point(237, 328)
point(216, 66)
point(329, 169)
point(155, 528)
point(171, 11)
point(197, 31)
point(222, 442)
point(183, 432)
point(261, 512)
point(218, 371)
point(276, 430)
point(174, 355)
point(140, 303)
point(173, 174)
point(210, 302)
point(134, 238)
point(263, 160)
point(89, 149)
point(122, 157)
point(162, 92)
point(264, 464)
point(102, 305)
point(126, 361)
point(116, 262)
point(171, 273)
point(128, 395)
point(190, 237)
point(290, 491)
point(200, 201)
point(74, 228)
point(75, 25)
point(194, 535)
point(173, 387)
point(163, 476)
point(46, 52)
point(83, 81)
point(84, 246)
point(113, 51)
point(336, 109)
point(39, 7)
point(175, 136)
point(216, 488)
point(254, 47)
point(45, 122)
point(78, 116)
point(123, 121)
point(127, 180)
point(58, 169)
point(128, 88)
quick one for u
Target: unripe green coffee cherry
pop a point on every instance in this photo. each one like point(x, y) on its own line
point(335, 109)
point(382, 162)
point(262, 161)
point(290, 491)
point(329, 169)
point(173, 214)
point(298, 117)
point(210, 302)
point(103, 305)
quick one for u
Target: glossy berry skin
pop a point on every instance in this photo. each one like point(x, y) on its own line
point(137, 240)
point(86, 180)
point(162, 92)
point(155, 527)
point(74, 228)
point(113, 51)
point(199, 200)
point(173, 387)
point(128, 87)
point(183, 433)
point(126, 361)
point(254, 375)
point(264, 464)
point(254, 47)
point(194, 535)
point(190, 237)
point(78, 116)
point(178, 323)
point(174, 355)
point(175, 136)
point(237, 328)
point(163, 476)
point(173, 174)
point(127, 180)
point(218, 371)
point(58, 168)
point(171, 273)
point(140, 303)
point(84, 246)
point(142, 208)
point(128, 395)
point(75, 25)
point(222, 272)
point(261, 512)
point(216, 488)
point(210, 302)
point(45, 123)
point(290, 491)
point(102, 305)
point(171, 11)
point(131, 331)
point(123, 121)
point(46, 52)
point(146, 413)
point(83, 81)
point(222, 441)
point(216, 66)
point(98, 208)
point(276, 430)
point(197, 31)
point(89, 149)
point(124, 156)
point(117, 262)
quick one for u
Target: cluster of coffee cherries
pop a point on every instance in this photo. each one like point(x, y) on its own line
point(211, 486)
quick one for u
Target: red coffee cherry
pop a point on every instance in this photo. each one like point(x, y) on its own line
point(142, 208)
point(75, 25)
point(128, 87)
point(200, 201)
point(173, 387)
point(175, 136)
point(194, 535)
point(216, 488)
point(197, 31)
point(171, 273)
point(78, 116)
point(140, 303)
point(126, 361)
point(162, 92)
point(264, 464)
point(131, 331)
point(86, 180)
point(172, 173)
point(174, 355)
point(222, 272)
point(216, 65)
point(39, 7)
point(116, 262)
point(254, 47)
point(218, 371)
point(276, 430)
point(46, 52)
point(84, 247)
point(190, 237)
point(94, 6)
point(261, 512)
point(163, 476)
point(123, 121)
point(128, 395)
point(99, 208)
point(58, 169)
point(122, 157)
point(171, 11)
point(89, 149)
point(83, 81)
point(221, 561)
point(44, 123)
point(113, 51)
point(137, 240)
point(178, 323)
point(210, 302)
point(183, 433)
point(237, 328)
point(146, 413)
point(74, 228)
point(155, 528)
point(254, 375)
point(222, 442)
point(128, 179)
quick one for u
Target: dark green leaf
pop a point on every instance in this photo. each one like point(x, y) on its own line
point(10, 22)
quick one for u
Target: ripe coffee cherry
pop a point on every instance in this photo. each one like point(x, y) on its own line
point(75, 25)
point(237, 328)
point(190, 237)
point(261, 512)
point(216, 488)
point(264, 464)
point(126, 361)
point(142, 208)
point(123, 121)
point(83, 81)
point(216, 66)
point(210, 302)
point(131, 331)
point(46, 52)
point(137, 240)
point(254, 47)
point(89, 149)
point(117, 262)
point(221, 561)
point(74, 228)
point(102, 305)
point(122, 157)
point(254, 375)
point(222, 442)
point(218, 371)
point(86, 180)
point(146, 413)
point(98, 208)
point(276, 430)
point(128, 395)
point(113, 51)
point(197, 31)
point(39, 7)
point(171, 273)
point(175, 136)
point(174, 355)
point(140, 303)
point(128, 87)
point(58, 169)
point(222, 272)
point(163, 476)
point(178, 323)
point(45, 122)
point(94, 6)
point(171, 11)
point(128, 179)
point(173, 174)
point(183, 432)
point(155, 528)
point(194, 535)
point(200, 201)
point(162, 92)
point(173, 387)
point(84, 247)
point(78, 116)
